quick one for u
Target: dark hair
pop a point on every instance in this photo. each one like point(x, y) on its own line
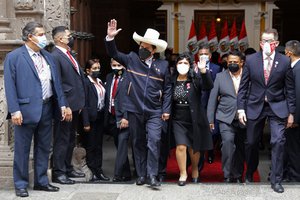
point(184, 55)
point(204, 46)
point(271, 31)
point(58, 29)
point(249, 51)
point(89, 63)
point(30, 29)
point(237, 53)
point(293, 46)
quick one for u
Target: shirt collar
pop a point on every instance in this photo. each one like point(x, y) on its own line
point(62, 49)
point(149, 61)
point(294, 63)
point(30, 51)
point(92, 80)
point(272, 56)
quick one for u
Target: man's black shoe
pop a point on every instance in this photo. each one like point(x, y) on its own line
point(210, 157)
point(228, 180)
point(161, 178)
point(248, 179)
point(277, 187)
point(102, 177)
point(22, 192)
point(153, 182)
point(63, 179)
point(94, 179)
point(121, 179)
point(74, 174)
point(140, 180)
point(48, 188)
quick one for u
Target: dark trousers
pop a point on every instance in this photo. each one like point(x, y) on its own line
point(292, 154)
point(233, 149)
point(164, 150)
point(63, 145)
point(42, 132)
point(121, 139)
point(145, 132)
point(93, 142)
point(254, 129)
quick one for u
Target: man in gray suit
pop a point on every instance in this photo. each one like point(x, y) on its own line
point(222, 106)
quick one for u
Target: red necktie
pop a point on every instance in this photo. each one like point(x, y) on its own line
point(73, 61)
point(113, 94)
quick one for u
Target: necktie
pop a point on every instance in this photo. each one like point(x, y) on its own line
point(268, 69)
point(113, 94)
point(40, 69)
point(73, 61)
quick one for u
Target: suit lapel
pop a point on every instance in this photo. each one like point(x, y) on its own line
point(230, 83)
point(49, 64)
point(29, 61)
point(68, 60)
point(274, 66)
point(260, 69)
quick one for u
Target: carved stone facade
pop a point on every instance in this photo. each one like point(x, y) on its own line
point(13, 17)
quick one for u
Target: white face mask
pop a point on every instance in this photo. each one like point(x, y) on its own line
point(42, 41)
point(267, 49)
point(204, 58)
point(183, 69)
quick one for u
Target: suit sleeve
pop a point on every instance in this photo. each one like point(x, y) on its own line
point(243, 89)
point(167, 93)
point(290, 90)
point(213, 100)
point(9, 84)
point(85, 110)
point(113, 52)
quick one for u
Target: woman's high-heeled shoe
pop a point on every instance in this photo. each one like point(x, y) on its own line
point(195, 180)
point(182, 181)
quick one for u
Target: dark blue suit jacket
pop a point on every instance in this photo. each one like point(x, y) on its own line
point(296, 72)
point(120, 98)
point(149, 89)
point(90, 111)
point(23, 87)
point(214, 69)
point(280, 90)
point(72, 83)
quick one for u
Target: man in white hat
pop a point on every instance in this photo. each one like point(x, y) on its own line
point(148, 98)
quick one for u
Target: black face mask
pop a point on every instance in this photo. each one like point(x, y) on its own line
point(117, 72)
point(71, 42)
point(144, 53)
point(95, 74)
point(233, 68)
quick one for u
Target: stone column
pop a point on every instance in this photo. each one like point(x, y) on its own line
point(14, 14)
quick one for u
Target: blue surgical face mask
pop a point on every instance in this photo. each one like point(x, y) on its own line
point(42, 41)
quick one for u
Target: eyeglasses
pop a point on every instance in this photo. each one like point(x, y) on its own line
point(267, 41)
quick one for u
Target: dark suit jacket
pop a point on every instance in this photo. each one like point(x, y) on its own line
point(23, 87)
point(214, 70)
point(225, 108)
point(90, 111)
point(296, 72)
point(72, 82)
point(120, 98)
point(280, 90)
point(149, 89)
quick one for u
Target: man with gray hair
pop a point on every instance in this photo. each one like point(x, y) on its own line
point(32, 87)
point(292, 146)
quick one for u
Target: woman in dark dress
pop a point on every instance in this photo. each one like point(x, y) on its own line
point(189, 122)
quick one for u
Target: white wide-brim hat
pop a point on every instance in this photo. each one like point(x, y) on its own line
point(151, 37)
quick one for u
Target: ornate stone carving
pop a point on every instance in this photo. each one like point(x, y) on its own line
point(24, 4)
point(57, 13)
